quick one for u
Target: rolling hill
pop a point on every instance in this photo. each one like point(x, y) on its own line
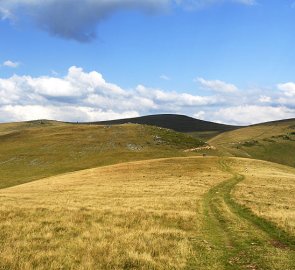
point(36, 149)
point(180, 123)
point(130, 196)
point(272, 141)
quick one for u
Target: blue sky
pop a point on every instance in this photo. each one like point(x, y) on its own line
point(229, 61)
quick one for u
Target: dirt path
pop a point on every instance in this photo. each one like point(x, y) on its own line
point(232, 237)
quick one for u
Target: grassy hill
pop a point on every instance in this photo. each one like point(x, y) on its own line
point(174, 213)
point(161, 208)
point(273, 141)
point(36, 149)
point(180, 123)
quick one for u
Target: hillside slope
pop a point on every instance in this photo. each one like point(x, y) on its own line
point(161, 214)
point(31, 150)
point(272, 141)
point(180, 123)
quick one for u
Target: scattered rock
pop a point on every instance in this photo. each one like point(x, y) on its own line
point(208, 147)
point(134, 147)
point(158, 139)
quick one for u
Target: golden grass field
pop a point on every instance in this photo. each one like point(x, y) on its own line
point(64, 206)
point(269, 190)
point(137, 215)
point(144, 215)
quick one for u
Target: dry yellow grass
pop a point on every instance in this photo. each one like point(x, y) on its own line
point(138, 215)
point(269, 190)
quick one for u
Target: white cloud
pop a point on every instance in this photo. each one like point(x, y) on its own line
point(10, 64)
point(200, 115)
point(53, 87)
point(265, 99)
point(86, 96)
point(251, 114)
point(75, 84)
point(9, 92)
point(218, 86)
point(92, 82)
point(78, 19)
point(287, 88)
point(67, 113)
point(177, 100)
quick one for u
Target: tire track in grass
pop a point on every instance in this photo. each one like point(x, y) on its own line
point(233, 237)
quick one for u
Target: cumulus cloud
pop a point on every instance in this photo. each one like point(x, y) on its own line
point(287, 88)
point(251, 114)
point(67, 113)
point(78, 19)
point(200, 115)
point(174, 101)
point(10, 64)
point(218, 86)
point(86, 96)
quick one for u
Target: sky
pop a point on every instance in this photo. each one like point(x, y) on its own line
point(228, 61)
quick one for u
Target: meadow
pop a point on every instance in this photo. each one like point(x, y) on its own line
point(132, 197)
point(170, 213)
point(38, 149)
point(138, 215)
point(269, 191)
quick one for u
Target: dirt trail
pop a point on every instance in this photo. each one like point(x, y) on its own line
point(232, 237)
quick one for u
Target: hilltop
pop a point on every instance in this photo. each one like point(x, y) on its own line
point(180, 123)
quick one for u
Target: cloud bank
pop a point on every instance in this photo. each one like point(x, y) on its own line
point(78, 19)
point(82, 96)
point(87, 96)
